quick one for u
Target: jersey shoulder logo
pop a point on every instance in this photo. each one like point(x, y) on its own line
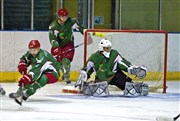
point(56, 32)
point(75, 27)
point(51, 26)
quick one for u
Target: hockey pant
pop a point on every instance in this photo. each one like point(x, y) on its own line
point(120, 80)
point(65, 65)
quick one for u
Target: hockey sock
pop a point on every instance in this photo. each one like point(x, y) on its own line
point(66, 63)
point(36, 85)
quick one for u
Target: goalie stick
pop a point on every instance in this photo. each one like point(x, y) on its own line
point(70, 89)
point(161, 118)
point(75, 89)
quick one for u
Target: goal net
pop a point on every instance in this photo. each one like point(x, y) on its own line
point(140, 47)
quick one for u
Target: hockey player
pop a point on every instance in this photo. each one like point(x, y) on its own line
point(2, 91)
point(62, 39)
point(44, 70)
point(109, 66)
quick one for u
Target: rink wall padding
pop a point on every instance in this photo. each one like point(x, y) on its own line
point(15, 76)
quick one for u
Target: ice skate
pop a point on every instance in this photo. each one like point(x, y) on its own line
point(14, 95)
point(18, 97)
point(68, 81)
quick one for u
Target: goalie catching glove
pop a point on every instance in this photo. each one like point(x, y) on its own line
point(139, 71)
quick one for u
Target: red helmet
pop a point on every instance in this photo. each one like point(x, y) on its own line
point(62, 12)
point(34, 44)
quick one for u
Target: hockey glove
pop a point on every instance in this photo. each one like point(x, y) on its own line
point(22, 67)
point(55, 44)
point(89, 39)
point(56, 52)
point(26, 79)
point(139, 71)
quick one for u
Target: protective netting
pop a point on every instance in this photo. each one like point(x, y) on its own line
point(147, 48)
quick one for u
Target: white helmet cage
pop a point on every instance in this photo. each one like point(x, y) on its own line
point(104, 43)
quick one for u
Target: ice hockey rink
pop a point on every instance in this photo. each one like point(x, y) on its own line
point(49, 103)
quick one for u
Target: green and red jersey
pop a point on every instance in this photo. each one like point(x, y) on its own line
point(105, 68)
point(63, 34)
point(43, 62)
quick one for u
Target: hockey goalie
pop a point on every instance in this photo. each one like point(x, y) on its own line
point(109, 68)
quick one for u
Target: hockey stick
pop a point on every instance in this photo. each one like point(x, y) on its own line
point(21, 91)
point(21, 98)
point(161, 118)
point(175, 118)
point(98, 34)
point(73, 47)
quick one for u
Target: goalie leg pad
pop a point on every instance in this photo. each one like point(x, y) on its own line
point(144, 89)
point(96, 89)
point(136, 89)
point(120, 80)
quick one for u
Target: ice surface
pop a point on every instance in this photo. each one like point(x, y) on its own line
point(49, 103)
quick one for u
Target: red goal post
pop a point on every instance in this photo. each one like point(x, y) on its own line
point(140, 47)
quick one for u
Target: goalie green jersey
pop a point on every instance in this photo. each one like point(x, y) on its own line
point(105, 68)
point(43, 62)
point(63, 34)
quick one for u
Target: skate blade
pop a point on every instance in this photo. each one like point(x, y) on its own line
point(18, 102)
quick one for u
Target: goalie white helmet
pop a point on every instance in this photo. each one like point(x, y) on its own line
point(105, 43)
